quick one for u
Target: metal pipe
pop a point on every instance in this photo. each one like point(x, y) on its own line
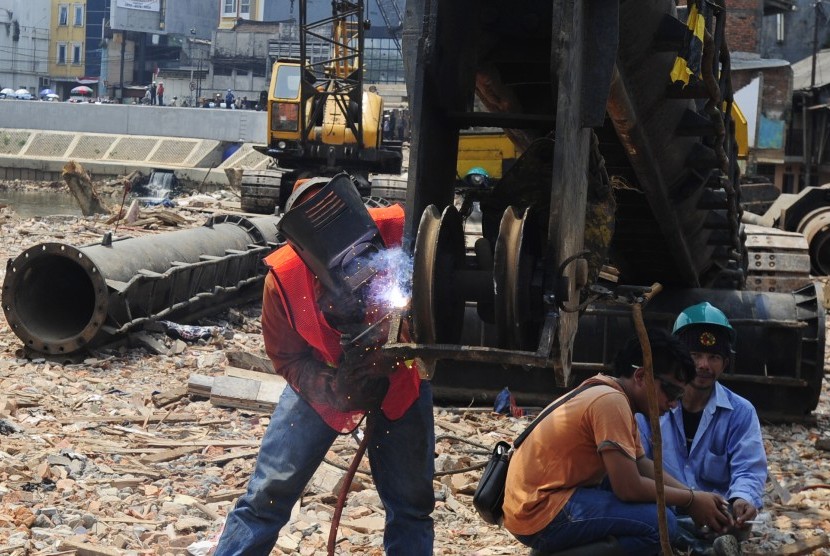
point(59, 298)
point(816, 229)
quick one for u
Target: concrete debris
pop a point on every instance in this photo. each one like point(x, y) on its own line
point(109, 456)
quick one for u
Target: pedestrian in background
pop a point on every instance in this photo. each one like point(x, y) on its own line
point(160, 93)
point(229, 99)
point(153, 93)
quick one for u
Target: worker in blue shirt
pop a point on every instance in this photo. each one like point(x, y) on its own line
point(712, 439)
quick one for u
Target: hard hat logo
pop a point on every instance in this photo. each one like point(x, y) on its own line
point(704, 328)
point(707, 339)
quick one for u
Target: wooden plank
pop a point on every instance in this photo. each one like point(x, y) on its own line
point(89, 549)
point(253, 375)
point(215, 442)
point(169, 455)
point(225, 458)
point(233, 388)
point(242, 393)
point(154, 418)
point(199, 385)
point(269, 393)
point(127, 482)
point(245, 360)
point(167, 397)
point(128, 519)
point(224, 495)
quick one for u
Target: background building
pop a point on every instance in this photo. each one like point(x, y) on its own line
point(67, 46)
point(789, 33)
point(25, 27)
point(167, 37)
point(232, 11)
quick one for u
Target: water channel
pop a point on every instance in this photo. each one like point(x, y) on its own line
point(39, 202)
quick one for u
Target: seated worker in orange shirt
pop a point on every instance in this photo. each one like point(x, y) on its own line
point(581, 476)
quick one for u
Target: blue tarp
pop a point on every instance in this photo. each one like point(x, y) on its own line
point(770, 134)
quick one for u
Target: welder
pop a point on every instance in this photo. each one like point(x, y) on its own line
point(315, 308)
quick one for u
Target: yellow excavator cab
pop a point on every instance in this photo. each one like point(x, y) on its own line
point(285, 97)
point(284, 102)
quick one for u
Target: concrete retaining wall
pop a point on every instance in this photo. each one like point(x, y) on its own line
point(244, 126)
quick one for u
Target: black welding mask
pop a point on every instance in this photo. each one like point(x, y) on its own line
point(335, 236)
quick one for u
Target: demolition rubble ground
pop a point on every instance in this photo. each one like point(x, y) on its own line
point(109, 455)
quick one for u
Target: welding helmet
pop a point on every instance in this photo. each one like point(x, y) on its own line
point(477, 176)
point(301, 187)
point(704, 328)
point(332, 232)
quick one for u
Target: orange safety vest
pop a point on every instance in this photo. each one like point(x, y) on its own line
point(295, 286)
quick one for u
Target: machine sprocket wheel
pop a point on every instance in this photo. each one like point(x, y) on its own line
point(517, 305)
point(437, 305)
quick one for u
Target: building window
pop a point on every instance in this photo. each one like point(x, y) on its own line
point(229, 8)
point(63, 14)
point(61, 53)
point(779, 27)
point(79, 15)
point(76, 53)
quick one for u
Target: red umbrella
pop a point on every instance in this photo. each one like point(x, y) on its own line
point(81, 90)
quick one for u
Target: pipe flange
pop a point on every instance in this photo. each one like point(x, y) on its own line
point(54, 298)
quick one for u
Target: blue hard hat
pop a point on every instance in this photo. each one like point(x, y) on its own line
point(477, 170)
point(477, 176)
point(704, 327)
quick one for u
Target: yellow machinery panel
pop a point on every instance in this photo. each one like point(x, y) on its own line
point(741, 131)
point(485, 150)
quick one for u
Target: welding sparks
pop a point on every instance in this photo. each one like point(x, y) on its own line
point(397, 298)
point(392, 287)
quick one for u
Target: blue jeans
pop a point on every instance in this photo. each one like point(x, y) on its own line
point(593, 514)
point(401, 454)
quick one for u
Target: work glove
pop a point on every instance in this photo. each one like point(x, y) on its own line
point(370, 361)
point(344, 389)
point(315, 381)
point(361, 379)
point(359, 390)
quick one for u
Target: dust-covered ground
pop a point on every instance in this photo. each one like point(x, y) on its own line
point(106, 455)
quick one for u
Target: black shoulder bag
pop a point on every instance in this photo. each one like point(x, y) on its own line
point(489, 495)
